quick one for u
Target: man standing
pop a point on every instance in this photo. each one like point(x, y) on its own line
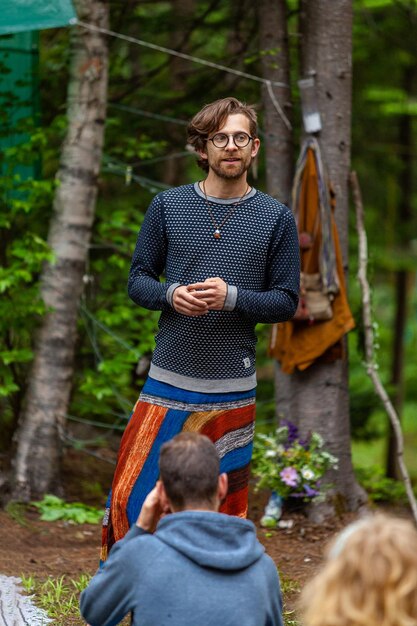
point(231, 259)
point(200, 567)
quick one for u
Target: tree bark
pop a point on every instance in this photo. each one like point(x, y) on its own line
point(318, 398)
point(38, 455)
point(275, 59)
point(278, 146)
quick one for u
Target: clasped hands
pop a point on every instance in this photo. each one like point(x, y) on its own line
point(200, 298)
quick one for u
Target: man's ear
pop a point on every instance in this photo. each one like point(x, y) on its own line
point(203, 155)
point(222, 487)
point(163, 498)
point(255, 147)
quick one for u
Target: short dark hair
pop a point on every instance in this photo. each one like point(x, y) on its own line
point(212, 117)
point(189, 469)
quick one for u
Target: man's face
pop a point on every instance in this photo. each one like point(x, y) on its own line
point(231, 162)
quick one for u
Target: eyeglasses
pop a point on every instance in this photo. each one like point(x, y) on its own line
point(221, 140)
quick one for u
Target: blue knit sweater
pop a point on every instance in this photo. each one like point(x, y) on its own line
point(257, 256)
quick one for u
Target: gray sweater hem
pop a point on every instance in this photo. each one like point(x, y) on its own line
point(218, 385)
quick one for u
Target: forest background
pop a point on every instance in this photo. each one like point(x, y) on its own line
point(151, 95)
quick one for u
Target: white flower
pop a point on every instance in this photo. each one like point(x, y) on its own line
point(270, 454)
point(282, 430)
point(280, 448)
point(317, 439)
point(330, 458)
point(307, 473)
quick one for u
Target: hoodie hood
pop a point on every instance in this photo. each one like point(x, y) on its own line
point(211, 539)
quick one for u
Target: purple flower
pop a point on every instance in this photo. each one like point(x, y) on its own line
point(289, 476)
point(294, 436)
point(305, 443)
point(292, 433)
point(310, 493)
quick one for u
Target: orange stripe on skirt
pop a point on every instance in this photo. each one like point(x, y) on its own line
point(135, 446)
point(236, 503)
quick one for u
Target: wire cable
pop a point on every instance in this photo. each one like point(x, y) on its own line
point(143, 113)
point(182, 55)
point(189, 57)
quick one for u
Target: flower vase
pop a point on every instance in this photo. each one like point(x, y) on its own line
point(273, 511)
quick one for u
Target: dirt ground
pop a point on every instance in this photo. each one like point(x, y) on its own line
point(40, 549)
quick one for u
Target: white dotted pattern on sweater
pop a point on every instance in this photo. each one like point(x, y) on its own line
point(258, 253)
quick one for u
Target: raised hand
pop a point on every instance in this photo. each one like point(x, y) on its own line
point(151, 512)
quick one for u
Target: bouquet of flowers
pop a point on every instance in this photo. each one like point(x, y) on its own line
point(291, 466)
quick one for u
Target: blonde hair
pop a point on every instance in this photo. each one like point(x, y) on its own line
point(368, 579)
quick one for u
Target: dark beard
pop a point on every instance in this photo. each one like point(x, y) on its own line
point(232, 175)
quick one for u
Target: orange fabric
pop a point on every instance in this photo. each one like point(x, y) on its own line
point(297, 345)
point(236, 503)
point(136, 443)
point(308, 218)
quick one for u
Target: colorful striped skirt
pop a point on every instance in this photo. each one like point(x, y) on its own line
point(161, 412)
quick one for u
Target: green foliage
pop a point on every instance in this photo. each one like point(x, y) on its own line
point(379, 487)
point(17, 511)
point(23, 251)
point(59, 597)
point(368, 419)
point(289, 585)
point(28, 582)
point(53, 508)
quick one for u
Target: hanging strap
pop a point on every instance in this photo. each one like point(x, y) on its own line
point(327, 255)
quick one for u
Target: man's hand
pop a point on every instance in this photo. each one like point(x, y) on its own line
point(151, 512)
point(213, 292)
point(187, 303)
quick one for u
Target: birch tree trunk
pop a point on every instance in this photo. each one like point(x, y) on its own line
point(273, 42)
point(38, 455)
point(318, 398)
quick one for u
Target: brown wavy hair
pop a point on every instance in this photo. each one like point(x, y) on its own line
point(369, 578)
point(212, 117)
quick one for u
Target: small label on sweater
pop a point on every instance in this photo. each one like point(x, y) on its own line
point(246, 362)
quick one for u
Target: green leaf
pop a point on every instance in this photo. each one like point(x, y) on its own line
point(53, 508)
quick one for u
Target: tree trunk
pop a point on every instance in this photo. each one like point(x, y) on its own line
point(278, 146)
point(39, 436)
point(318, 398)
point(273, 43)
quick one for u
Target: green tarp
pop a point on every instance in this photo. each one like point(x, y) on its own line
point(19, 98)
point(23, 15)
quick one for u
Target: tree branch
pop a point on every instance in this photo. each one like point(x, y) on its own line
point(371, 366)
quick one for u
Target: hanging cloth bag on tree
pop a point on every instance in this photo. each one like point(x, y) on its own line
point(314, 304)
point(318, 280)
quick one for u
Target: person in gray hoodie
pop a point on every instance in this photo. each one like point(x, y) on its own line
point(183, 563)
